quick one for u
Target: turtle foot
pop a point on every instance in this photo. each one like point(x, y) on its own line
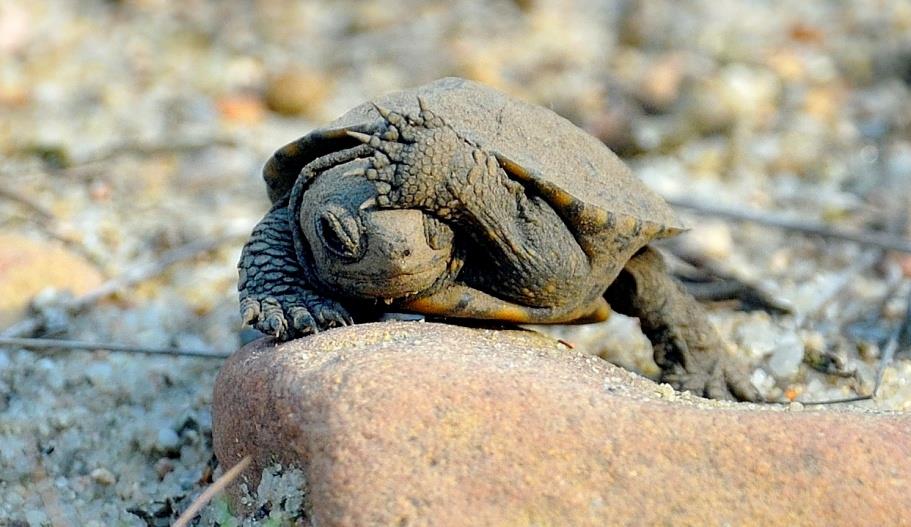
point(288, 316)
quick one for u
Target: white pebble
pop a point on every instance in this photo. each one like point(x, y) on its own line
point(167, 438)
point(35, 518)
point(787, 357)
point(53, 374)
point(103, 476)
point(762, 380)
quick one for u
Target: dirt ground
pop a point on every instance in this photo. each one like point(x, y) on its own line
point(130, 129)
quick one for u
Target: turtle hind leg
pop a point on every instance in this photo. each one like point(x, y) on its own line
point(687, 347)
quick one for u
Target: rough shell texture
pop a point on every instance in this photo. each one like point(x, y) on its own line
point(534, 137)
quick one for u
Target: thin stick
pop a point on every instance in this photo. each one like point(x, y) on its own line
point(873, 238)
point(28, 203)
point(854, 399)
point(837, 285)
point(217, 486)
point(892, 346)
point(143, 272)
point(136, 149)
point(128, 278)
point(35, 343)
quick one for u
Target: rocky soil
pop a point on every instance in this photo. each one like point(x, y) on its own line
point(132, 128)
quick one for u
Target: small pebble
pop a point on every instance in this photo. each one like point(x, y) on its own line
point(167, 439)
point(103, 476)
point(786, 359)
point(296, 92)
point(711, 238)
point(814, 342)
point(35, 518)
point(163, 467)
point(666, 392)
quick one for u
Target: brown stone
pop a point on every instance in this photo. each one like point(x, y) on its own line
point(431, 424)
point(28, 266)
point(296, 92)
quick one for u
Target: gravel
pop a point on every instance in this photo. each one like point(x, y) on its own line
point(137, 127)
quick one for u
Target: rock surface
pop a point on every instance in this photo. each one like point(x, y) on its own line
point(28, 266)
point(420, 424)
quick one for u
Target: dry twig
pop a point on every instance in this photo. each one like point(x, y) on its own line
point(891, 347)
point(143, 272)
point(855, 399)
point(26, 202)
point(127, 279)
point(837, 285)
point(217, 486)
point(879, 239)
point(35, 343)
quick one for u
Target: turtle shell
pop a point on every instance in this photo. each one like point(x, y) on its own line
point(542, 142)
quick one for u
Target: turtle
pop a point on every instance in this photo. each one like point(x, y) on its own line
point(456, 201)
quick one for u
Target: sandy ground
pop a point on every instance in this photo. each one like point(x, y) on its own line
point(131, 128)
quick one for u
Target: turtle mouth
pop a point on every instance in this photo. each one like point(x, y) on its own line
point(380, 277)
point(392, 284)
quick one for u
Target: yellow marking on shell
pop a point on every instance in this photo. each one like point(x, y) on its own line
point(563, 199)
point(650, 229)
point(626, 223)
point(510, 314)
point(427, 306)
point(601, 314)
point(599, 216)
point(505, 313)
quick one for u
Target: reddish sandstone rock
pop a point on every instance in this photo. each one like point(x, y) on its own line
point(28, 266)
point(431, 424)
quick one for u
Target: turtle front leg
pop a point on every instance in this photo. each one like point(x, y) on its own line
point(688, 349)
point(275, 294)
point(523, 251)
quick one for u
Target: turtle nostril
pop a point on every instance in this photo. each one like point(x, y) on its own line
point(406, 253)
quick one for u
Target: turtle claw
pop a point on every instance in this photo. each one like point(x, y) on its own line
point(303, 321)
point(719, 383)
point(249, 310)
point(413, 161)
point(386, 113)
point(392, 117)
point(422, 104)
point(290, 317)
point(369, 203)
point(272, 319)
point(367, 139)
point(332, 318)
point(355, 172)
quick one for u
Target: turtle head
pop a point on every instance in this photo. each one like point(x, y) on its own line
point(365, 252)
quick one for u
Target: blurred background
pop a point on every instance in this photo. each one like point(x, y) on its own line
point(132, 134)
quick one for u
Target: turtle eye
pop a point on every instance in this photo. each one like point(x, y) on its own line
point(340, 232)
